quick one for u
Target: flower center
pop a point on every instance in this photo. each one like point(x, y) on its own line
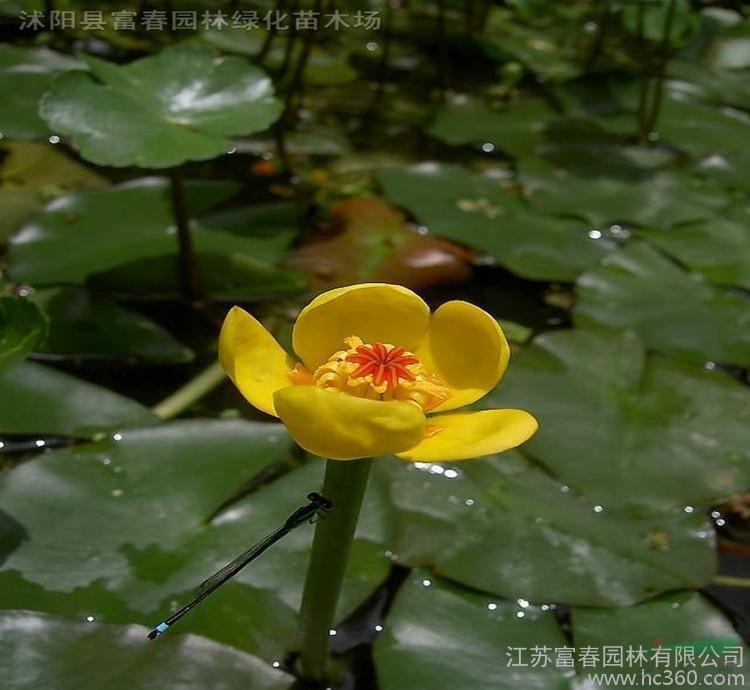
point(386, 364)
point(378, 371)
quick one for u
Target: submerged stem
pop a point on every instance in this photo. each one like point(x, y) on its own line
point(191, 392)
point(344, 484)
point(189, 278)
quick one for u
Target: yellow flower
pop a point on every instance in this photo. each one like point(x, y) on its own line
point(374, 362)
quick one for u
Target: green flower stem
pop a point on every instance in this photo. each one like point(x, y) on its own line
point(191, 392)
point(729, 581)
point(344, 484)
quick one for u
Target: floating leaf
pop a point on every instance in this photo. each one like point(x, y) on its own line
point(718, 249)
point(681, 622)
point(625, 429)
point(503, 526)
point(433, 625)
point(89, 232)
point(639, 288)
point(85, 325)
point(140, 511)
point(77, 655)
point(39, 400)
point(224, 276)
point(27, 73)
point(478, 211)
point(157, 112)
point(325, 67)
point(31, 174)
point(549, 53)
point(267, 229)
point(22, 329)
point(518, 130)
point(648, 21)
point(701, 129)
point(239, 249)
point(665, 199)
point(719, 86)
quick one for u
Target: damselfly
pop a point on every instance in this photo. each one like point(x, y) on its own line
point(317, 507)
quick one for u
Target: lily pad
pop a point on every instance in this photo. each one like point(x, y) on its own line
point(268, 229)
point(664, 199)
point(551, 54)
point(148, 524)
point(224, 276)
point(157, 112)
point(505, 527)
point(77, 655)
point(325, 67)
point(22, 329)
point(35, 399)
point(666, 628)
point(719, 86)
point(625, 429)
point(718, 249)
point(518, 130)
point(432, 625)
point(702, 129)
point(241, 247)
point(639, 288)
point(89, 232)
point(27, 73)
point(480, 212)
point(650, 20)
point(85, 325)
point(33, 173)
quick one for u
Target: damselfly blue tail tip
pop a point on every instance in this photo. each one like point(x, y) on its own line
point(158, 630)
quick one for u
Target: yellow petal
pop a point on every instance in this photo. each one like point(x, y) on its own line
point(467, 349)
point(339, 426)
point(252, 358)
point(465, 435)
point(376, 312)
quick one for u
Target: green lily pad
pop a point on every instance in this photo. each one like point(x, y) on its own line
point(325, 67)
point(731, 170)
point(77, 655)
point(639, 288)
point(702, 129)
point(157, 112)
point(548, 51)
point(650, 19)
point(140, 513)
point(664, 199)
point(224, 276)
point(480, 212)
point(33, 173)
point(27, 73)
point(268, 229)
point(518, 130)
point(85, 325)
point(240, 250)
point(39, 400)
point(718, 249)
point(23, 328)
point(672, 624)
point(503, 526)
point(587, 153)
point(624, 429)
point(719, 86)
point(432, 625)
point(85, 233)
